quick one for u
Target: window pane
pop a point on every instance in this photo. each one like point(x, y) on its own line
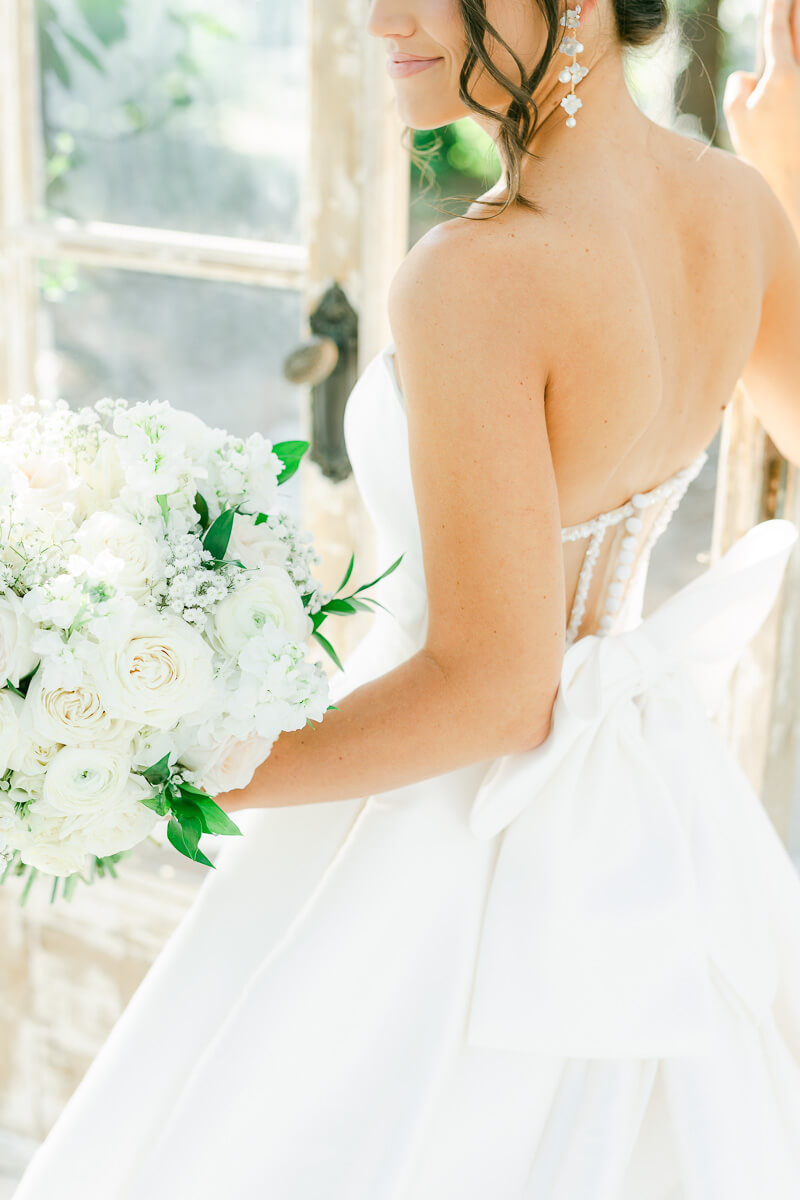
point(181, 114)
point(215, 348)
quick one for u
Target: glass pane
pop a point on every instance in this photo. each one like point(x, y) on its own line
point(214, 348)
point(182, 114)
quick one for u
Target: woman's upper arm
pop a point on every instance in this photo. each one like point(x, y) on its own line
point(474, 379)
point(772, 375)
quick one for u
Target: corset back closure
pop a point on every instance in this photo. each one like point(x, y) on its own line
point(613, 569)
point(610, 584)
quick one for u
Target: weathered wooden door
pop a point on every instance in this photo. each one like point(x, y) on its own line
point(181, 183)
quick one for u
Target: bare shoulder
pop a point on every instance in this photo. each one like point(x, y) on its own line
point(467, 284)
point(739, 191)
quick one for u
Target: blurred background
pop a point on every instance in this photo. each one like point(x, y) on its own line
point(198, 199)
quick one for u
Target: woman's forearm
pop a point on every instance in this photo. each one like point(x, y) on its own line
point(409, 724)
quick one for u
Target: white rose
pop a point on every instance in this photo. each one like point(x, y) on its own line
point(25, 786)
point(268, 599)
point(73, 716)
point(17, 658)
point(50, 482)
point(127, 540)
point(255, 545)
point(48, 840)
point(9, 821)
point(124, 825)
point(10, 713)
point(56, 858)
point(86, 780)
point(158, 674)
point(101, 480)
point(222, 767)
point(32, 756)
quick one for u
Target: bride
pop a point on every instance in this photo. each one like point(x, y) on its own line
point(511, 922)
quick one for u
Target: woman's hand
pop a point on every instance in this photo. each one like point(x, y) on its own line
point(763, 114)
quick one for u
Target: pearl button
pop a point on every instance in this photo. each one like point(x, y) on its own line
point(616, 587)
point(630, 542)
point(612, 603)
point(639, 500)
point(633, 524)
point(622, 571)
point(626, 556)
point(606, 622)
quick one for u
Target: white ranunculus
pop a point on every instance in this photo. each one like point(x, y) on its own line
point(17, 658)
point(86, 780)
point(255, 545)
point(160, 672)
point(10, 713)
point(73, 716)
point(126, 824)
point(129, 541)
point(268, 599)
point(223, 767)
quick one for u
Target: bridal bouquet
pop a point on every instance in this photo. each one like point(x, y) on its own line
point(155, 606)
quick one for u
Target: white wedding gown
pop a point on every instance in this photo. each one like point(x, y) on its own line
point(567, 974)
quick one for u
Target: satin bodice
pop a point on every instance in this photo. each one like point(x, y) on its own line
point(617, 543)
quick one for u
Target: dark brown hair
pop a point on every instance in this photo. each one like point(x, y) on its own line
point(638, 23)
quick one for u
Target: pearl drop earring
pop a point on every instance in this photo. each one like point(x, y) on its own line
point(574, 73)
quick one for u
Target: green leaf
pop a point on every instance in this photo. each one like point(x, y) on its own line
point(290, 454)
point(338, 606)
point(163, 504)
point(32, 873)
point(159, 772)
point(51, 59)
point(363, 605)
point(184, 834)
point(335, 707)
point(218, 536)
point(157, 802)
point(388, 571)
point(328, 648)
point(201, 508)
point(209, 24)
point(213, 563)
point(347, 573)
point(85, 52)
point(105, 19)
point(24, 683)
point(213, 818)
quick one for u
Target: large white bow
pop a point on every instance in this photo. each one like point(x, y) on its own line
point(621, 889)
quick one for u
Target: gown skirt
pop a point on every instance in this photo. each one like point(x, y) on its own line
point(566, 974)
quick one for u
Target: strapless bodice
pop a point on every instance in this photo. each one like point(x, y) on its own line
point(618, 542)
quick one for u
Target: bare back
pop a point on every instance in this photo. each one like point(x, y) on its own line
point(649, 273)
